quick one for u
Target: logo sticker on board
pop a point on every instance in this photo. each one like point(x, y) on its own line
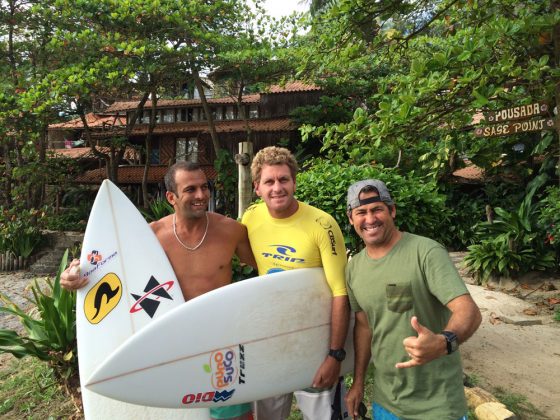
point(102, 298)
point(150, 301)
point(94, 257)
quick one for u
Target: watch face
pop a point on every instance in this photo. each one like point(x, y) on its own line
point(452, 343)
point(338, 354)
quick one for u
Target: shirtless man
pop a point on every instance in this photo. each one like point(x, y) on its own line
point(199, 245)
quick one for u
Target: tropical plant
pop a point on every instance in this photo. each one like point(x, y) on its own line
point(20, 231)
point(241, 271)
point(158, 209)
point(549, 217)
point(225, 184)
point(50, 327)
point(513, 243)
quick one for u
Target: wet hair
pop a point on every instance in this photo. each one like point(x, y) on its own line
point(273, 155)
point(170, 183)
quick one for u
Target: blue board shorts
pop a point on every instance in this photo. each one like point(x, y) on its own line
point(380, 413)
point(230, 411)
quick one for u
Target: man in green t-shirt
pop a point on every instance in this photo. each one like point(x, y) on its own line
point(412, 311)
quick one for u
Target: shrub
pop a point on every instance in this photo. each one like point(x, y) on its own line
point(513, 243)
point(20, 231)
point(158, 209)
point(548, 217)
point(420, 207)
point(50, 327)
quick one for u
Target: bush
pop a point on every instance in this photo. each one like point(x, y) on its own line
point(20, 232)
point(158, 209)
point(513, 243)
point(548, 217)
point(420, 207)
point(50, 327)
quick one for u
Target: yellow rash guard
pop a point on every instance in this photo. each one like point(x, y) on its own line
point(308, 238)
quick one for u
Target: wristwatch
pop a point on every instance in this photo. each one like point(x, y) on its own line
point(338, 354)
point(451, 340)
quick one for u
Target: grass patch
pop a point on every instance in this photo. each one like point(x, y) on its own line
point(519, 405)
point(28, 389)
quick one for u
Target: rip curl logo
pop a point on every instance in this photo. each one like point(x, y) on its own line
point(327, 225)
point(283, 253)
point(94, 257)
point(210, 396)
point(324, 222)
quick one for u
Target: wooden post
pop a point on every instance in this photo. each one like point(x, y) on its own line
point(243, 160)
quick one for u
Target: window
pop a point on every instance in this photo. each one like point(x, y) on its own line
point(168, 115)
point(253, 111)
point(230, 113)
point(218, 113)
point(182, 115)
point(154, 156)
point(187, 149)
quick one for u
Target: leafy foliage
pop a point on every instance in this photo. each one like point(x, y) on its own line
point(50, 326)
point(158, 209)
point(513, 243)
point(225, 183)
point(549, 216)
point(19, 231)
point(420, 207)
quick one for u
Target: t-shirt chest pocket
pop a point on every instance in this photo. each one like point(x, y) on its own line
point(399, 297)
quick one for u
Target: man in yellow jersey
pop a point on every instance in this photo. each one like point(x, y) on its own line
point(286, 234)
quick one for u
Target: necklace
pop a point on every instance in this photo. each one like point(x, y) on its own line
point(188, 248)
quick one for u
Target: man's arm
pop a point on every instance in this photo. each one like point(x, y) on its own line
point(243, 249)
point(362, 355)
point(429, 345)
point(329, 371)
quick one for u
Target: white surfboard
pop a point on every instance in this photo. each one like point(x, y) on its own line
point(253, 339)
point(131, 284)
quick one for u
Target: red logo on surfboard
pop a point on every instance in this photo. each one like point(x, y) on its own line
point(153, 291)
point(214, 396)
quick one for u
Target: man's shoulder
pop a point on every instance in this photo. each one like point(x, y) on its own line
point(421, 241)
point(224, 221)
point(320, 216)
point(160, 224)
point(254, 211)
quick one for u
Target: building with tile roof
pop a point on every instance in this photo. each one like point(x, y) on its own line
point(181, 131)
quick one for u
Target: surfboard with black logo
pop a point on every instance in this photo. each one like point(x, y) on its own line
point(243, 342)
point(131, 284)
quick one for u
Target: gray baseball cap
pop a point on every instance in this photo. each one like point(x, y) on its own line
point(355, 189)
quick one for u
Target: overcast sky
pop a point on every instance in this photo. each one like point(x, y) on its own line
point(279, 8)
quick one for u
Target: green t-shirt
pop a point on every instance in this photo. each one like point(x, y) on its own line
point(417, 278)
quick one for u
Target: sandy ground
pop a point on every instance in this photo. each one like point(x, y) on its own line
point(516, 348)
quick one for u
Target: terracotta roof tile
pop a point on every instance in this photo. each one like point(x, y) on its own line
point(133, 174)
point(471, 172)
point(293, 87)
point(93, 120)
point(87, 153)
point(163, 103)
point(231, 126)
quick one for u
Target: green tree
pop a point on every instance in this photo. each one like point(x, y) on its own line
point(429, 67)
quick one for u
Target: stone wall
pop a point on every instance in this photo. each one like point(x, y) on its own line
point(54, 246)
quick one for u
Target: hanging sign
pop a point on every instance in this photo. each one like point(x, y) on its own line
point(520, 112)
point(514, 128)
